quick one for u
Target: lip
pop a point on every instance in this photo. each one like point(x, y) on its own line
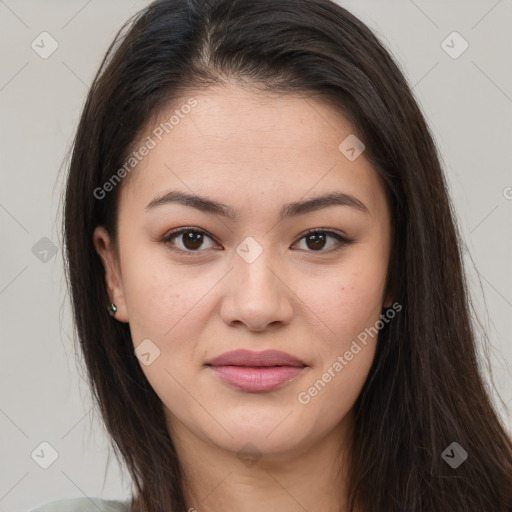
point(255, 372)
point(253, 359)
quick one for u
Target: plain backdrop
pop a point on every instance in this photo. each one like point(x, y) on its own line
point(466, 98)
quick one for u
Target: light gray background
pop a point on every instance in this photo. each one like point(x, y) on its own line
point(467, 101)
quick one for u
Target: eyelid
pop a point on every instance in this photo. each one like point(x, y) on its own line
point(341, 239)
point(179, 231)
point(327, 231)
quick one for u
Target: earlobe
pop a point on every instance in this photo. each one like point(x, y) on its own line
point(113, 280)
point(388, 300)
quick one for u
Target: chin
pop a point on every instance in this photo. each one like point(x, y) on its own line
point(269, 438)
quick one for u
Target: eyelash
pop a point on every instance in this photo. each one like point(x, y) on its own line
point(342, 241)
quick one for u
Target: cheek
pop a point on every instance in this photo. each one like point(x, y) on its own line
point(349, 298)
point(334, 390)
point(351, 305)
point(161, 297)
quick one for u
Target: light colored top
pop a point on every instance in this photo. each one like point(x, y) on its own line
point(85, 505)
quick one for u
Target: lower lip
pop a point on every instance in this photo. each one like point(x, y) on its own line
point(257, 379)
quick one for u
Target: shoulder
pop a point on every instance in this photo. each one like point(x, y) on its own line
point(85, 505)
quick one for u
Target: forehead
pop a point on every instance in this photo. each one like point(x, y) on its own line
point(236, 141)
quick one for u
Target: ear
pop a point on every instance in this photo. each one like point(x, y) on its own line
point(388, 299)
point(113, 281)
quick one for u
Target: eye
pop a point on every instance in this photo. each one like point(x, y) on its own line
point(316, 240)
point(190, 239)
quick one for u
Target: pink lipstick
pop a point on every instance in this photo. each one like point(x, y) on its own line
point(255, 372)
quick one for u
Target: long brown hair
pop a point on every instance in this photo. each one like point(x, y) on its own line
point(425, 389)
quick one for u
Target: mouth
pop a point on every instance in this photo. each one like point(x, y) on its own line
point(255, 372)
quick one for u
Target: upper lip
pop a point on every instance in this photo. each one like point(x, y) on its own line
point(250, 358)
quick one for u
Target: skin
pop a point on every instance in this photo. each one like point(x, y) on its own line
point(254, 152)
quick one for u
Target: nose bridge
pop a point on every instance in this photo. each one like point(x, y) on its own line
point(255, 269)
point(259, 296)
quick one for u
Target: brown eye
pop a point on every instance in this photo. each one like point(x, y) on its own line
point(187, 239)
point(192, 240)
point(317, 240)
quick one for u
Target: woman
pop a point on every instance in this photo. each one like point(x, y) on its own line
point(266, 276)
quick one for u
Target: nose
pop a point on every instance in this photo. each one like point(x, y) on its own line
point(257, 295)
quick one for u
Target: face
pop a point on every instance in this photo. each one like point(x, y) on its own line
point(247, 273)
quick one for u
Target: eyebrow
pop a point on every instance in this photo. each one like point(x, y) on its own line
point(213, 207)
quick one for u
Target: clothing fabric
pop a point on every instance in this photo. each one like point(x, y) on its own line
point(85, 505)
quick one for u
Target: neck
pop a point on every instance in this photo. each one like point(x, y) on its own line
point(311, 478)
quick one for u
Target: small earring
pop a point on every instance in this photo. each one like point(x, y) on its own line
point(112, 309)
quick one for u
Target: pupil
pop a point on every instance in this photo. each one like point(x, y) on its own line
point(193, 240)
point(316, 238)
point(190, 239)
